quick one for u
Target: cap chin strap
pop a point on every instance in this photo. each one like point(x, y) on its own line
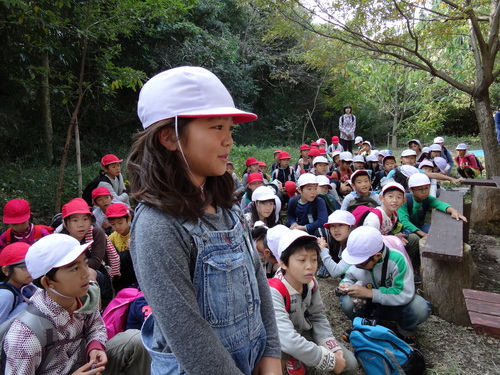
point(184, 157)
point(59, 294)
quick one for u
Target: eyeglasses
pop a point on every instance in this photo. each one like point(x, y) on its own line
point(22, 267)
point(365, 263)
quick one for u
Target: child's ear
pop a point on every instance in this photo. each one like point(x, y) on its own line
point(5, 270)
point(168, 139)
point(46, 282)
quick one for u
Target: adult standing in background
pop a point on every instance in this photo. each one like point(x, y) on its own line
point(347, 127)
point(497, 124)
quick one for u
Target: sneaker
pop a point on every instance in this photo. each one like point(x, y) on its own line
point(295, 367)
point(323, 272)
point(410, 340)
point(417, 279)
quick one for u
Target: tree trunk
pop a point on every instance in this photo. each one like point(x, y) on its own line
point(78, 158)
point(45, 110)
point(488, 135)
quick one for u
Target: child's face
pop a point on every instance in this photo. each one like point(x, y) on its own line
point(426, 168)
point(415, 147)
point(321, 168)
point(254, 185)
point(370, 262)
point(284, 163)
point(380, 158)
point(20, 227)
point(336, 159)
point(265, 254)
point(362, 185)
point(253, 168)
point(421, 193)
point(323, 189)
point(345, 188)
point(120, 225)
point(72, 280)
point(435, 154)
point(374, 164)
point(78, 225)
point(301, 268)
point(263, 169)
point(340, 232)
point(358, 165)
point(265, 208)
point(229, 168)
point(113, 169)
point(365, 147)
point(408, 160)
point(392, 200)
point(461, 153)
point(20, 275)
point(276, 154)
point(304, 154)
point(103, 201)
point(207, 143)
point(389, 164)
point(308, 192)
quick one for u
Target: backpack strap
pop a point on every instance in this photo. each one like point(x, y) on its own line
point(280, 287)
point(409, 202)
point(8, 235)
point(14, 293)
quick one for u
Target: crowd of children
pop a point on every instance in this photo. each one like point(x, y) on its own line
point(228, 267)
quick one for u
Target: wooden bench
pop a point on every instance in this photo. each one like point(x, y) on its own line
point(484, 311)
point(447, 264)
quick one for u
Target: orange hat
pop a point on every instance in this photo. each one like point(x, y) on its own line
point(99, 192)
point(16, 211)
point(75, 206)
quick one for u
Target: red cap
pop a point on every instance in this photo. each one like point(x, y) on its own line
point(13, 253)
point(304, 147)
point(75, 206)
point(277, 151)
point(322, 151)
point(117, 210)
point(335, 139)
point(262, 164)
point(251, 161)
point(284, 155)
point(110, 158)
point(321, 141)
point(252, 177)
point(99, 192)
point(16, 211)
point(291, 188)
point(314, 152)
point(315, 144)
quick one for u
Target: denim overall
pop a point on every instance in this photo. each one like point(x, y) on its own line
point(227, 294)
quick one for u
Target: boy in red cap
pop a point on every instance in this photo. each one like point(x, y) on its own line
point(335, 146)
point(303, 165)
point(102, 198)
point(17, 215)
point(284, 172)
point(252, 166)
point(111, 166)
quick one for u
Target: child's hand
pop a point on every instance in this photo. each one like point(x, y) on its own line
point(322, 243)
point(98, 357)
point(402, 238)
point(294, 226)
point(359, 291)
point(344, 288)
point(268, 366)
point(89, 369)
point(454, 214)
point(340, 363)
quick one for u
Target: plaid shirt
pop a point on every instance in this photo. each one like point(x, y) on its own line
point(24, 351)
point(347, 126)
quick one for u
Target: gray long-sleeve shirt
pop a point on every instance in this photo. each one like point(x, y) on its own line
point(161, 252)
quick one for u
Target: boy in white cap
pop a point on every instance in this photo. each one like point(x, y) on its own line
point(467, 166)
point(384, 277)
point(306, 211)
point(67, 298)
point(445, 153)
point(306, 336)
point(362, 194)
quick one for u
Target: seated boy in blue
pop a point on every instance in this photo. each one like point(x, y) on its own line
point(367, 291)
point(306, 211)
point(361, 183)
point(305, 334)
point(412, 213)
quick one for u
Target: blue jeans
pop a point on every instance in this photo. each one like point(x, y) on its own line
point(227, 295)
point(407, 316)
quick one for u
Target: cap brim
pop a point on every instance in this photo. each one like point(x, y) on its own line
point(16, 220)
point(73, 254)
point(349, 259)
point(238, 115)
point(328, 225)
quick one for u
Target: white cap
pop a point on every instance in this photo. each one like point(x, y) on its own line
point(439, 140)
point(52, 251)
point(358, 139)
point(393, 185)
point(408, 170)
point(416, 141)
point(273, 237)
point(426, 163)
point(418, 179)
point(435, 147)
point(368, 142)
point(358, 159)
point(306, 178)
point(375, 152)
point(266, 193)
point(426, 149)
point(363, 242)
point(336, 152)
point(186, 91)
point(289, 238)
point(372, 157)
point(346, 156)
point(385, 152)
point(461, 146)
point(340, 217)
point(323, 180)
point(359, 172)
point(408, 152)
point(441, 163)
point(320, 159)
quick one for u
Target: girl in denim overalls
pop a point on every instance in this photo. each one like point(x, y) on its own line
point(212, 310)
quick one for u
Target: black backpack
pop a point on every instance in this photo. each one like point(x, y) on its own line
point(87, 192)
point(362, 201)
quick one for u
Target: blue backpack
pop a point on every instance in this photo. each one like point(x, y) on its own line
point(380, 351)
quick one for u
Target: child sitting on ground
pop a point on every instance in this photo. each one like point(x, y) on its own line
point(102, 198)
point(344, 172)
point(305, 334)
point(238, 186)
point(306, 211)
point(17, 215)
point(252, 166)
point(254, 181)
point(267, 259)
point(14, 280)
point(111, 166)
point(339, 225)
point(390, 294)
point(361, 183)
point(263, 170)
point(466, 163)
point(335, 146)
point(265, 207)
point(326, 191)
point(67, 298)
point(303, 165)
point(284, 172)
point(388, 164)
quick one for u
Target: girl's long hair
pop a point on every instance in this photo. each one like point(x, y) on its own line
point(160, 178)
point(270, 221)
